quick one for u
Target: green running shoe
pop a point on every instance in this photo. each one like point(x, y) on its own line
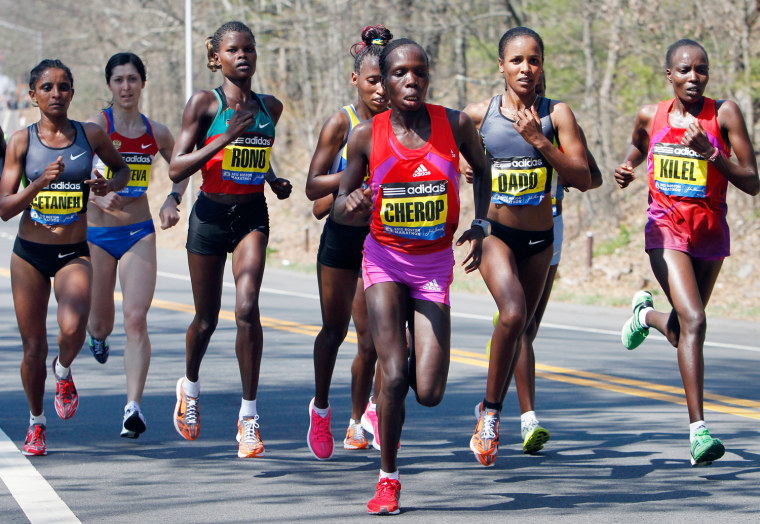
point(534, 437)
point(705, 449)
point(633, 334)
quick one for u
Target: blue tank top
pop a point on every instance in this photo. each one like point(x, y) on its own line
point(62, 201)
point(339, 163)
point(520, 175)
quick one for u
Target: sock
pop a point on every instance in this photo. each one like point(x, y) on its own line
point(372, 405)
point(247, 409)
point(393, 475)
point(37, 419)
point(491, 405)
point(191, 389)
point(643, 316)
point(133, 404)
point(694, 426)
point(61, 371)
point(353, 422)
point(322, 412)
point(528, 417)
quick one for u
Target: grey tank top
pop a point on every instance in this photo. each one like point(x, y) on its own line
point(520, 175)
point(62, 201)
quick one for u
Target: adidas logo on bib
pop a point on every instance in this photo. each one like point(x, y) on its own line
point(421, 171)
point(431, 286)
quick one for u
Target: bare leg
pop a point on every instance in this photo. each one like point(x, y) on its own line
point(363, 367)
point(100, 324)
point(71, 286)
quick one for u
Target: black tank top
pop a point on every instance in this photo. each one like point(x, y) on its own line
point(61, 201)
point(520, 175)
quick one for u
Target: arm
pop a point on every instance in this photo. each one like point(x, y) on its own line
point(322, 206)
point(103, 147)
point(169, 212)
point(471, 147)
point(353, 206)
point(331, 138)
point(571, 160)
point(639, 147)
point(742, 175)
point(596, 174)
point(477, 113)
point(280, 186)
point(13, 201)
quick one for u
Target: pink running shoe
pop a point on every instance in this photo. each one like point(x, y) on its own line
point(319, 438)
point(66, 397)
point(387, 495)
point(369, 423)
point(34, 444)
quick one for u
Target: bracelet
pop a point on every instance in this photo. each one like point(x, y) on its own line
point(484, 225)
point(176, 196)
point(715, 155)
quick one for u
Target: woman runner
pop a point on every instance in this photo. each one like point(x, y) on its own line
point(121, 232)
point(687, 143)
point(228, 134)
point(519, 129)
point(412, 201)
point(52, 159)
point(339, 259)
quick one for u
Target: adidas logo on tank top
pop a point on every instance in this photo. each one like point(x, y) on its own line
point(421, 171)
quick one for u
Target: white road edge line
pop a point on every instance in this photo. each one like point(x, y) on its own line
point(565, 327)
point(36, 498)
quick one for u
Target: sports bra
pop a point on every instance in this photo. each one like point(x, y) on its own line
point(61, 201)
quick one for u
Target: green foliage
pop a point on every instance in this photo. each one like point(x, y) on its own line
point(608, 247)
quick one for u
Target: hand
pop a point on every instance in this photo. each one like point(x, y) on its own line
point(110, 202)
point(240, 120)
point(359, 202)
point(474, 236)
point(624, 174)
point(281, 188)
point(528, 124)
point(52, 171)
point(169, 213)
point(695, 138)
point(99, 185)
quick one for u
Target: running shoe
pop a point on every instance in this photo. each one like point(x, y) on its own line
point(705, 449)
point(319, 438)
point(478, 409)
point(633, 333)
point(66, 397)
point(534, 437)
point(34, 444)
point(387, 495)
point(187, 415)
point(485, 442)
point(369, 424)
point(249, 440)
point(99, 349)
point(133, 423)
point(355, 437)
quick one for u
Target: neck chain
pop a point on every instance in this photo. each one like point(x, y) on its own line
point(512, 112)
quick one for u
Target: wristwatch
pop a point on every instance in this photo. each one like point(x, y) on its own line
point(485, 225)
point(176, 196)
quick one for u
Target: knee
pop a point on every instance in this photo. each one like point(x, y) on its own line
point(72, 326)
point(395, 382)
point(693, 322)
point(35, 352)
point(512, 317)
point(100, 328)
point(333, 336)
point(247, 312)
point(430, 396)
point(205, 325)
point(135, 323)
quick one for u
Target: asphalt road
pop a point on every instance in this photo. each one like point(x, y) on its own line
point(618, 453)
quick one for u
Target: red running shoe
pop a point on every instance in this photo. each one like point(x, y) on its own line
point(320, 437)
point(34, 444)
point(387, 495)
point(66, 397)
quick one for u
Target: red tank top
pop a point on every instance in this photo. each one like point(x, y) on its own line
point(415, 192)
point(677, 174)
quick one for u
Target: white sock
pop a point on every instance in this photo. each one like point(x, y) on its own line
point(322, 412)
point(694, 426)
point(528, 417)
point(247, 409)
point(372, 405)
point(643, 316)
point(191, 389)
point(37, 419)
point(61, 371)
point(133, 404)
point(393, 475)
point(353, 422)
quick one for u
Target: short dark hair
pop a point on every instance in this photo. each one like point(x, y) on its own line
point(684, 42)
point(517, 32)
point(48, 63)
point(214, 41)
point(120, 59)
point(395, 44)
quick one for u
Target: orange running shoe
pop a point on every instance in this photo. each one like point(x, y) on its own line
point(187, 415)
point(34, 444)
point(249, 440)
point(355, 437)
point(387, 495)
point(66, 397)
point(485, 442)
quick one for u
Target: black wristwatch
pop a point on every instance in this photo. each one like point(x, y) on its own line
point(176, 196)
